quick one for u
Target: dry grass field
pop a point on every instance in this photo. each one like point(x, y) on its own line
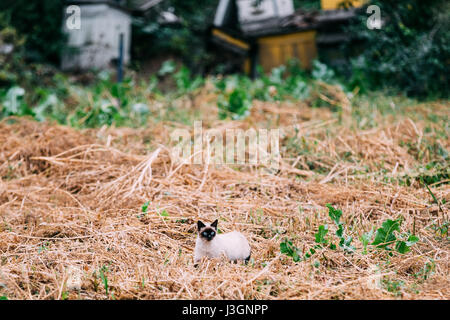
point(73, 226)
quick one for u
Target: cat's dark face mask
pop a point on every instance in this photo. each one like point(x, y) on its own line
point(207, 233)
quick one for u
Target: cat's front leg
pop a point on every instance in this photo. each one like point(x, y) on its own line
point(197, 258)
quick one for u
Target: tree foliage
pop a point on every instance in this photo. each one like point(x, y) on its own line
point(186, 39)
point(410, 51)
point(40, 22)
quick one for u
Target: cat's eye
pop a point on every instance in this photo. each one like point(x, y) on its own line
point(213, 233)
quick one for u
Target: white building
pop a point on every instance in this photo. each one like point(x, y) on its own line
point(94, 41)
point(253, 15)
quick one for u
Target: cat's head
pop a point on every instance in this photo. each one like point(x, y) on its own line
point(207, 232)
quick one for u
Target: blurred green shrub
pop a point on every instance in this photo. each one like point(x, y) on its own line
point(11, 53)
point(40, 21)
point(289, 82)
point(410, 52)
point(186, 39)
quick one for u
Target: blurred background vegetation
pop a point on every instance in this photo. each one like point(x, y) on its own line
point(409, 55)
point(411, 52)
point(39, 21)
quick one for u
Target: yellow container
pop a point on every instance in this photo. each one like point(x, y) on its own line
point(334, 4)
point(277, 50)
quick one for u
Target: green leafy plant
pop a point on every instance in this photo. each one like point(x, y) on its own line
point(145, 207)
point(14, 103)
point(385, 237)
point(236, 104)
point(366, 238)
point(335, 215)
point(393, 286)
point(43, 247)
point(441, 230)
point(185, 82)
point(287, 248)
point(144, 210)
point(164, 213)
point(167, 67)
point(102, 272)
point(321, 233)
point(427, 270)
point(432, 194)
point(404, 246)
point(322, 72)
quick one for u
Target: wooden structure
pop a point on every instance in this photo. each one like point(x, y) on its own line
point(270, 32)
point(336, 4)
point(96, 42)
point(278, 49)
point(105, 29)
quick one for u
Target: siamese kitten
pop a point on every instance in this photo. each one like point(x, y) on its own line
point(210, 244)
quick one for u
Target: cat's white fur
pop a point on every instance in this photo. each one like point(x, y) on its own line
point(233, 244)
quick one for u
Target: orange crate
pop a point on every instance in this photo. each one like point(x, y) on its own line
point(334, 4)
point(277, 50)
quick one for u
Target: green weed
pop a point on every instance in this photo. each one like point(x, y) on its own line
point(385, 237)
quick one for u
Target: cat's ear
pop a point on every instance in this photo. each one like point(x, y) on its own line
point(214, 224)
point(200, 225)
